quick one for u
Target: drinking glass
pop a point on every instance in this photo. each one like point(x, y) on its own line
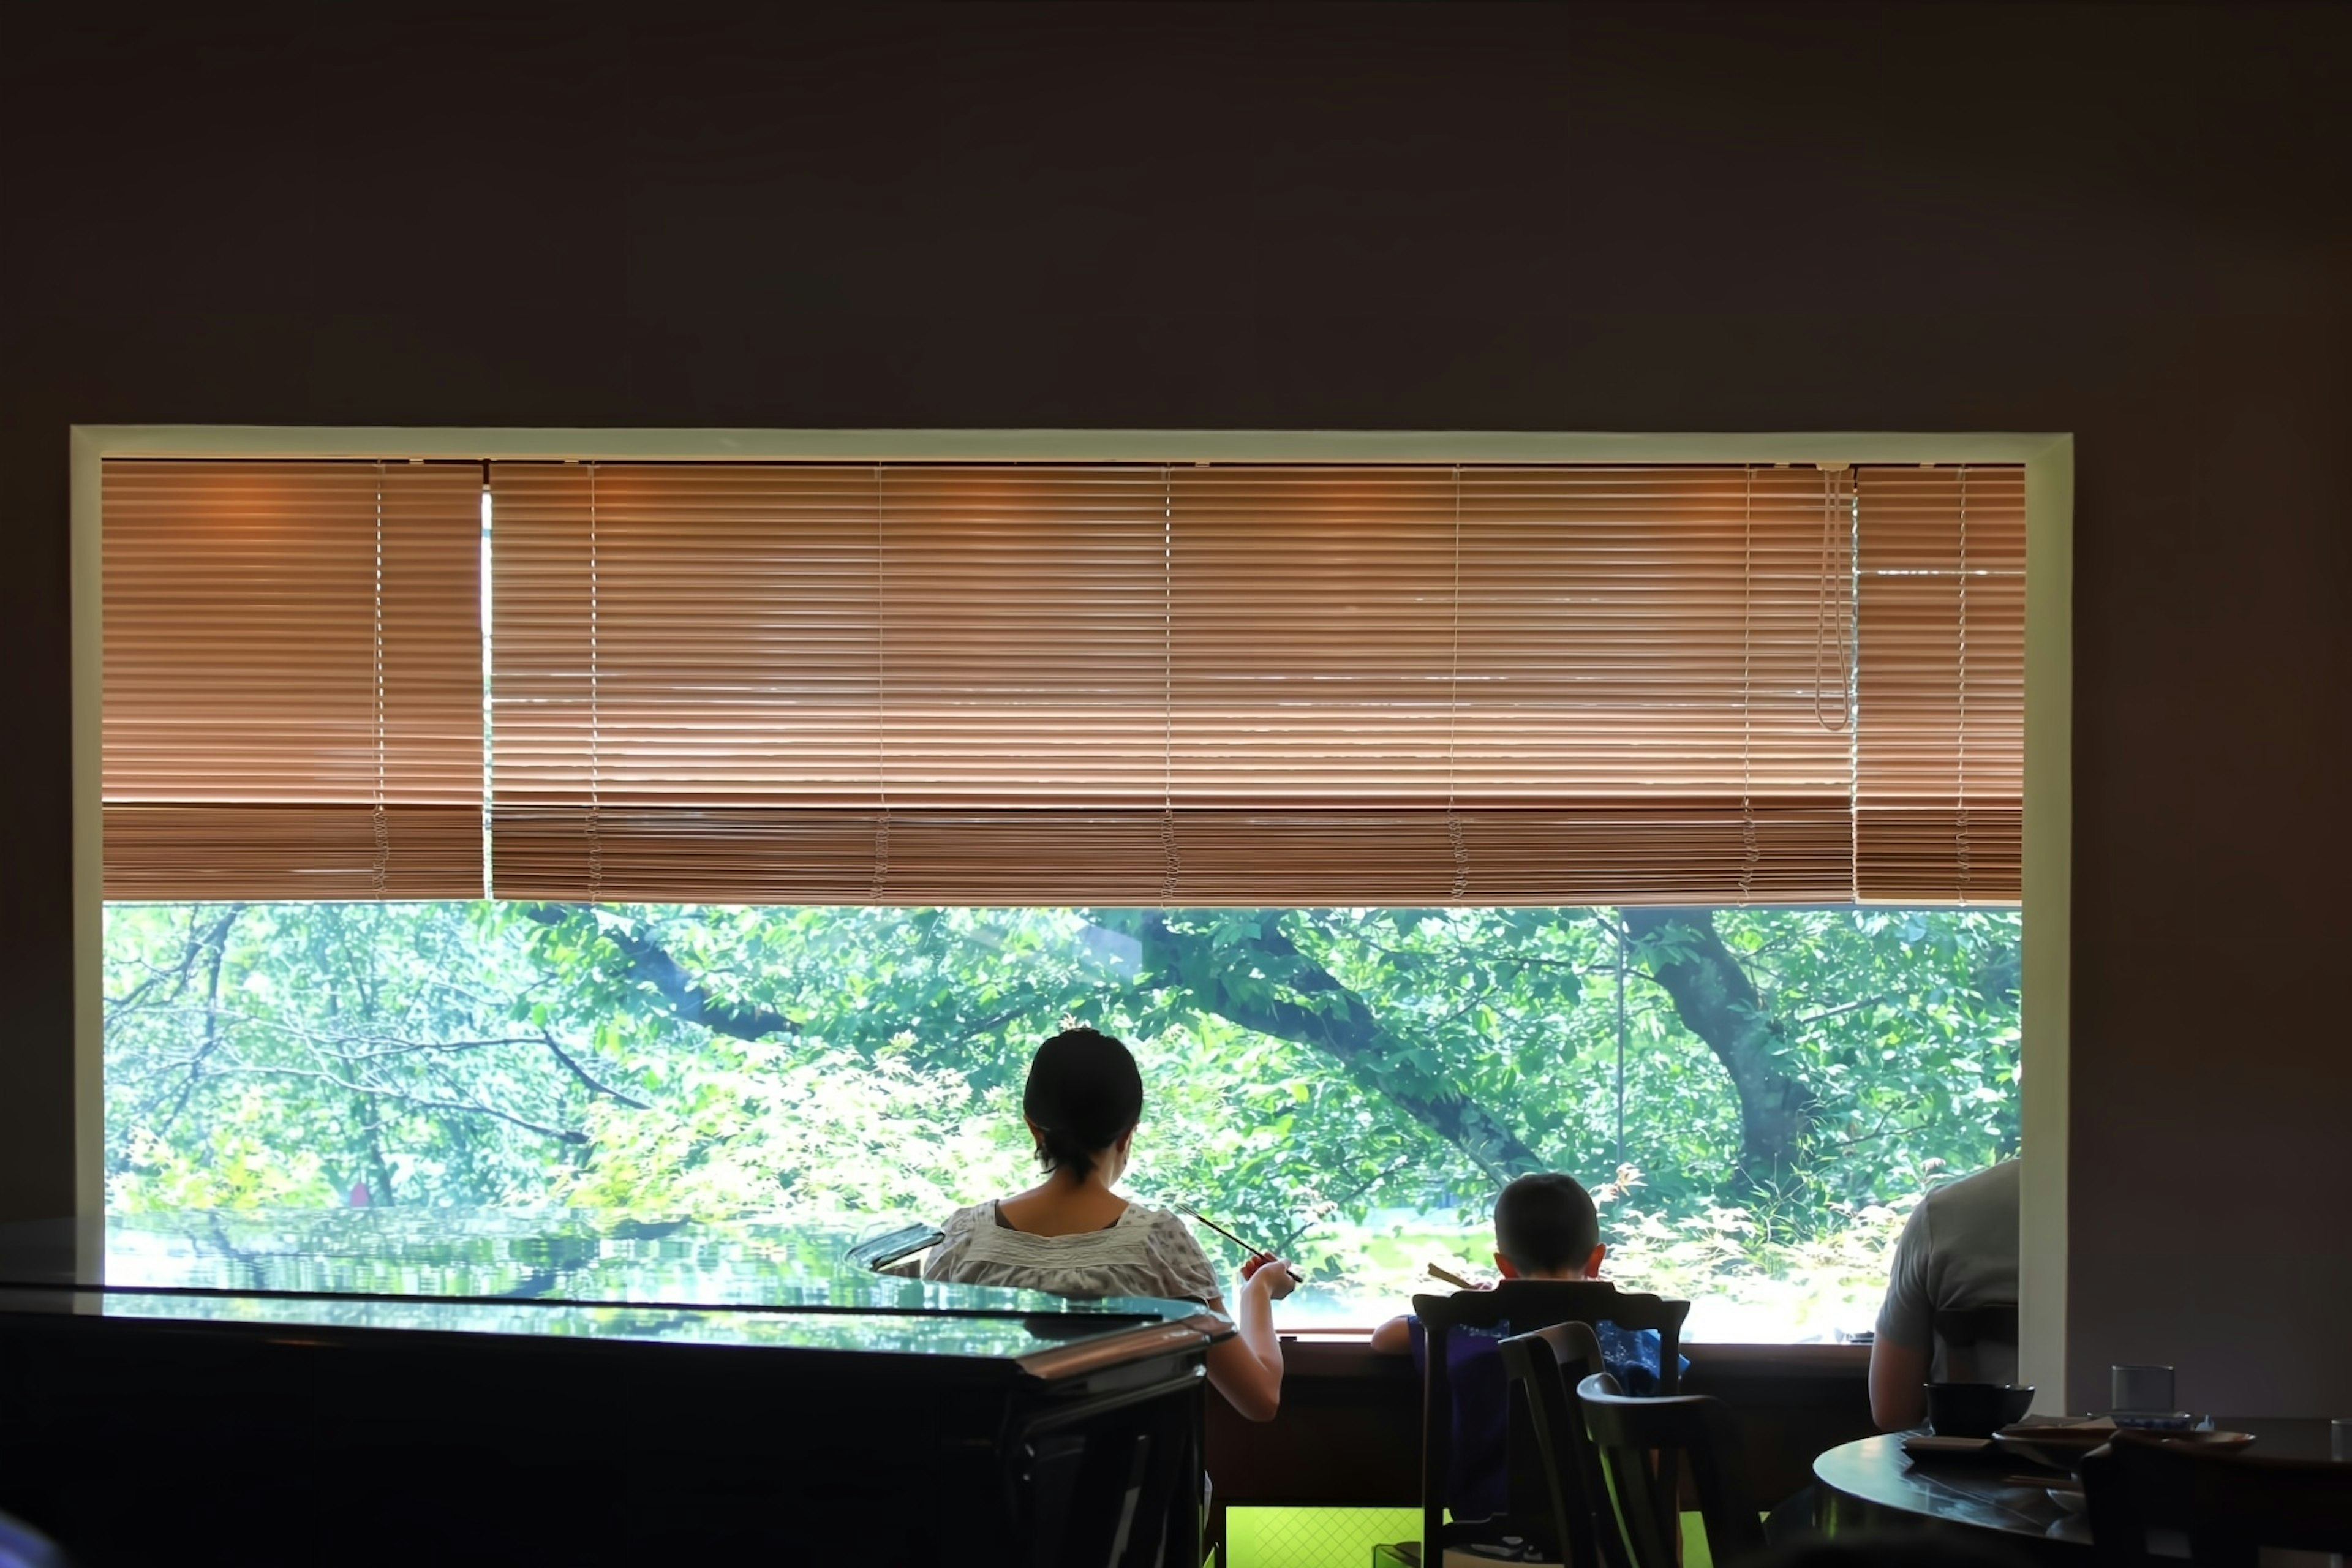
point(2140, 1388)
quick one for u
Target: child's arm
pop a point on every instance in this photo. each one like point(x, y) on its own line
point(1393, 1337)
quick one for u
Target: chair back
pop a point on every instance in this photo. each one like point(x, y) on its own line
point(22, 1546)
point(1693, 1427)
point(1962, 1333)
point(1525, 1305)
point(1546, 1366)
point(2230, 1506)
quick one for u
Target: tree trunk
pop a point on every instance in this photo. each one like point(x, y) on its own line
point(1718, 1003)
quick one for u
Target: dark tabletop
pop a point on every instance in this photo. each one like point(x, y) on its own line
point(1986, 1493)
point(574, 1274)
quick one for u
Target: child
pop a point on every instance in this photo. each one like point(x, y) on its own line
point(1545, 1228)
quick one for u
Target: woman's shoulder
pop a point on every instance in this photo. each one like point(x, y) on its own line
point(1163, 1223)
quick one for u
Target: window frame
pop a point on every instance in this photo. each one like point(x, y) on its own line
point(2048, 461)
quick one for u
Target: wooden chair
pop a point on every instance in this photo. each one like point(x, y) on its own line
point(1546, 1366)
point(1691, 1427)
point(22, 1546)
point(1523, 1305)
point(2229, 1506)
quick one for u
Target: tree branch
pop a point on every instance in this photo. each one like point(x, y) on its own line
point(580, 1073)
point(217, 940)
point(1842, 1008)
point(650, 964)
point(1354, 1037)
point(561, 1134)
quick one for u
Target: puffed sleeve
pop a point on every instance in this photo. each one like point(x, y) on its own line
point(1182, 1270)
point(956, 1233)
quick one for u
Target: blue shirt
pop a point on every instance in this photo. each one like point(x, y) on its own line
point(1477, 1481)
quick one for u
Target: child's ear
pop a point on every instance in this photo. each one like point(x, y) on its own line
point(1592, 1264)
point(1502, 1266)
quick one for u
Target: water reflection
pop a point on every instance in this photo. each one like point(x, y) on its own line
point(976, 1334)
point(559, 1271)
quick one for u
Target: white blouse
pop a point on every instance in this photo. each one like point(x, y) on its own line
point(1148, 1252)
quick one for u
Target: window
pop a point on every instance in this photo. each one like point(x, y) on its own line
point(1419, 824)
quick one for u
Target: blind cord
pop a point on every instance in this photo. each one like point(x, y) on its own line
point(378, 821)
point(489, 689)
point(1454, 833)
point(1960, 741)
point(594, 824)
point(1749, 853)
point(1171, 858)
point(880, 884)
point(1831, 479)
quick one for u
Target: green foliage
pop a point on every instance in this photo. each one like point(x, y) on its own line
point(1309, 1070)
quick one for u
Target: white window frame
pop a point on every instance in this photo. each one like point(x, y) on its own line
point(2048, 460)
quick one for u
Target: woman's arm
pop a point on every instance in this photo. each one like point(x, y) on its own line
point(1247, 1368)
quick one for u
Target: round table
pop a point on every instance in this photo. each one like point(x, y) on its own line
point(1873, 1485)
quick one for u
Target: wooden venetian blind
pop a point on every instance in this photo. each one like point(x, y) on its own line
point(1040, 684)
point(293, 683)
point(1940, 755)
point(818, 684)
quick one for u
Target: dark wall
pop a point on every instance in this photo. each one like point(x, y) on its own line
point(2132, 223)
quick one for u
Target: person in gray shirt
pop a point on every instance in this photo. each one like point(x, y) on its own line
point(1958, 1251)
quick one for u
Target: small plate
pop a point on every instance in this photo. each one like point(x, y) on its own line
point(2062, 1448)
point(1920, 1446)
point(2059, 1446)
point(2069, 1500)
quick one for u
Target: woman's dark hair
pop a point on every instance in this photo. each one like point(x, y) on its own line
point(1083, 1093)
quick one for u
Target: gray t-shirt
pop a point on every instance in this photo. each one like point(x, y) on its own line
point(1958, 1251)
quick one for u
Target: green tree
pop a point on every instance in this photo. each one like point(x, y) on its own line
point(1788, 1068)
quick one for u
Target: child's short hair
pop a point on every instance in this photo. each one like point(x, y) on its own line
point(1546, 1223)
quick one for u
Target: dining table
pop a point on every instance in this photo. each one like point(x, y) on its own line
point(1873, 1485)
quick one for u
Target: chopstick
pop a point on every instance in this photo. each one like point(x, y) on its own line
point(1189, 1210)
point(1192, 1213)
point(1456, 1280)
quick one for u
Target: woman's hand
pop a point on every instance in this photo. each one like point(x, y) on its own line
point(1270, 1274)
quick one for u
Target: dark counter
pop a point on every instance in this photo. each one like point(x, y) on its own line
point(360, 1386)
point(1349, 1430)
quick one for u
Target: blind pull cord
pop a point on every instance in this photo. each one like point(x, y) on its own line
point(1960, 741)
point(1454, 833)
point(1171, 858)
point(490, 691)
point(1833, 477)
point(594, 824)
point(879, 888)
point(1749, 856)
point(381, 824)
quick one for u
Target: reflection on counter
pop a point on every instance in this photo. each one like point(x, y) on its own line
point(490, 1255)
point(964, 1334)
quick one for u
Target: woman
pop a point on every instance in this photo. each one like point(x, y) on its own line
point(1071, 1235)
